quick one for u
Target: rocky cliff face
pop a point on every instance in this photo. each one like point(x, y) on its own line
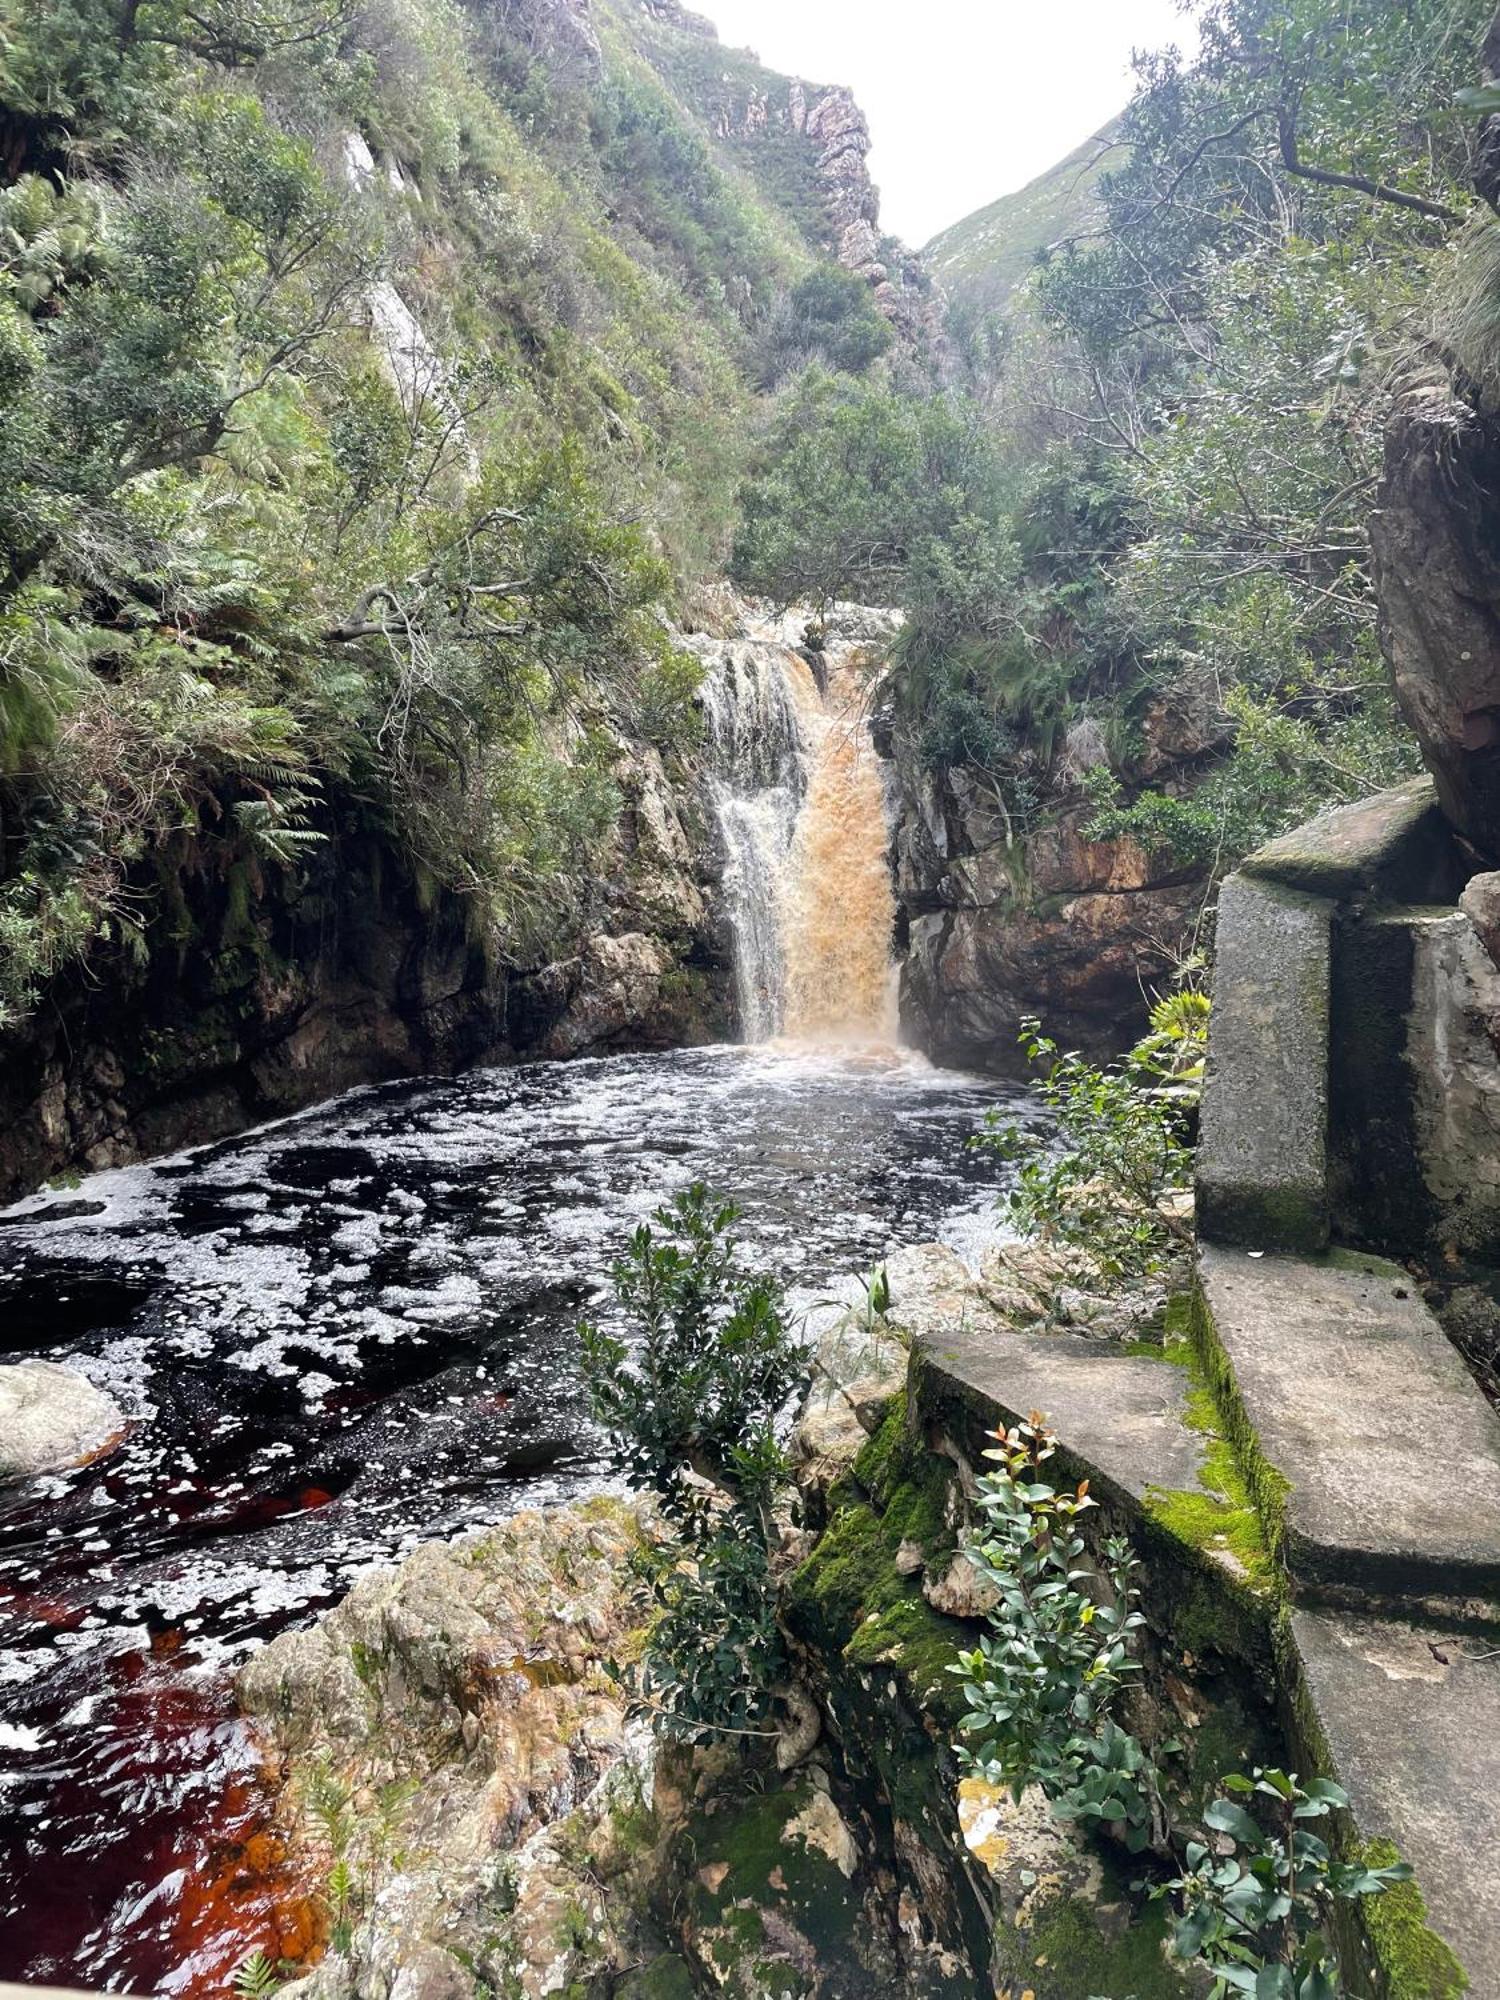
point(809, 139)
point(1000, 923)
point(262, 994)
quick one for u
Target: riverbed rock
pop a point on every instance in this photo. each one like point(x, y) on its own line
point(51, 1418)
point(460, 1703)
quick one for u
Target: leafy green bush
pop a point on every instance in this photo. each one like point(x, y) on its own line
point(831, 315)
point(1255, 1900)
point(690, 1410)
point(1105, 1182)
point(1045, 1681)
point(1257, 1917)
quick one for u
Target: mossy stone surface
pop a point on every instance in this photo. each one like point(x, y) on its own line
point(1078, 1948)
point(768, 1908)
point(1396, 846)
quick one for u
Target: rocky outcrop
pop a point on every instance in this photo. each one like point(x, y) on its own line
point(268, 989)
point(1001, 925)
point(903, 290)
point(52, 1418)
point(559, 33)
point(1436, 541)
point(467, 1689)
point(788, 130)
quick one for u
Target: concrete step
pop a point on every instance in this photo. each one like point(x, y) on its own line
point(1384, 1454)
point(1120, 1417)
point(1407, 1719)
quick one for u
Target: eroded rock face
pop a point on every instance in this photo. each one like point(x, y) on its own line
point(473, 1677)
point(52, 1418)
point(1002, 925)
point(1436, 540)
point(344, 972)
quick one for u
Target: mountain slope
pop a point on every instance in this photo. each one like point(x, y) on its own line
point(980, 260)
point(376, 379)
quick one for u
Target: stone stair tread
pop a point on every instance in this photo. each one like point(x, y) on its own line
point(1357, 1398)
point(1123, 1415)
point(1410, 1717)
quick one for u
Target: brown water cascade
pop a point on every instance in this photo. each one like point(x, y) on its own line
point(799, 794)
point(840, 976)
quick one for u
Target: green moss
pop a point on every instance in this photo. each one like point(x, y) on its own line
point(1219, 1518)
point(1414, 1962)
point(775, 1889)
point(1264, 1484)
point(665, 1978)
point(909, 1483)
point(875, 1467)
point(1068, 1955)
point(366, 1663)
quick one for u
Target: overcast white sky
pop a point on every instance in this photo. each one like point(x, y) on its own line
point(967, 99)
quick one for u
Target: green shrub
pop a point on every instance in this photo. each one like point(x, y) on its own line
point(690, 1411)
point(1102, 1176)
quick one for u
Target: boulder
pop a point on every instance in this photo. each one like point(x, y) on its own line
point(469, 1686)
point(52, 1418)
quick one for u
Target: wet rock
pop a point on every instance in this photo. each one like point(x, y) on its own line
point(473, 1677)
point(782, 1900)
point(1005, 922)
point(52, 1418)
point(1480, 903)
point(612, 987)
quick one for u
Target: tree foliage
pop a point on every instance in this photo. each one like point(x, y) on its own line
point(1171, 443)
point(353, 444)
point(689, 1407)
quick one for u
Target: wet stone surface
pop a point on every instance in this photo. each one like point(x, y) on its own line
point(334, 1338)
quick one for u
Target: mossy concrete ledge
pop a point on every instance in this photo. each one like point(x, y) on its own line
point(1263, 1150)
point(1386, 1454)
point(1121, 1419)
point(1407, 1718)
point(1395, 847)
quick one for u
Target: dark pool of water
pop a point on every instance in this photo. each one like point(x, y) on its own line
point(337, 1337)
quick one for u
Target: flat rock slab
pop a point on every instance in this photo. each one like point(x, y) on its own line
point(1396, 846)
point(1262, 1165)
point(51, 1418)
point(1358, 1399)
point(1411, 1721)
point(1122, 1415)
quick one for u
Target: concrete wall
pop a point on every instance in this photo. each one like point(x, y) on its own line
point(1353, 1089)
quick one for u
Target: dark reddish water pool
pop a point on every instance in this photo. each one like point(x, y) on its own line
point(334, 1338)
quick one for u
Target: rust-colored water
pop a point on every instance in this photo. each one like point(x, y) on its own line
point(841, 908)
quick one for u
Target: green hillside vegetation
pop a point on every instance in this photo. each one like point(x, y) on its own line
point(1147, 491)
point(982, 260)
point(374, 377)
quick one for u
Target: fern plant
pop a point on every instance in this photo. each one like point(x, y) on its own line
point(256, 1978)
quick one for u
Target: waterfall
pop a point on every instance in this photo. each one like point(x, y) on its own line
point(798, 794)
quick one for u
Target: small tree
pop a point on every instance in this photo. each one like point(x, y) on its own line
point(1124, 1151)
point(1044, 1683)
point(690, 1414)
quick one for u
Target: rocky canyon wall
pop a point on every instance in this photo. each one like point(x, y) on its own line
point(999, 921)
point(263, 992)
